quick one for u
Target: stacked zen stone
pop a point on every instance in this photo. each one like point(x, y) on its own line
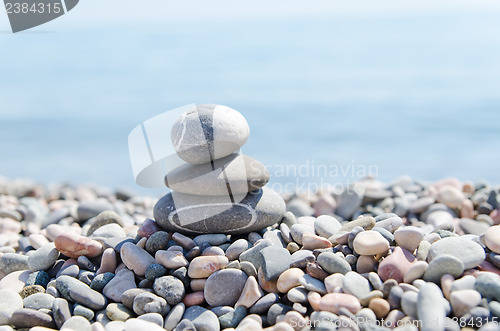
point(218, 190)
point(405, 256)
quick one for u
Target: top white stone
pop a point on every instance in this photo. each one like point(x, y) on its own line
point(209, 132)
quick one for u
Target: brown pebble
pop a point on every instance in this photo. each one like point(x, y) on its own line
point(314, 270)
point(108, 261)
point(365, 264)
point(204, 266)
point(311, 241)
point(147, 228)
point(332, 302)
point(314, 299)
point(289, 279)
point(194, 299)
point(250, 294)
point(268, 286)
point(198, 284)
point(73, 245)
point(31, 289)
point(380, 307)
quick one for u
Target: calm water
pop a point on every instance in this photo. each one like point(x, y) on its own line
point(414, 95)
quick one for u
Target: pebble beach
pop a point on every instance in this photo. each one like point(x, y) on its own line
point(407, 255)
point(221, 251)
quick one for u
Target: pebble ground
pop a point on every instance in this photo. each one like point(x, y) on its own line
point(405, 255)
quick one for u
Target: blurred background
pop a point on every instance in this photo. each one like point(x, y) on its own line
point(406, 88)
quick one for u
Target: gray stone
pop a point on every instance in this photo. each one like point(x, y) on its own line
point(174, 317)
point(203, 319)
point(495, 259)
point(170, 288)
point(298, 294)
point(253, 254)
point(289, 219)
point(494, 307)
point(38, 301)
point(182, 275)
point(208, 132)
point(469, 252)
point(465, 283)
point(79, 310)
point(473, 227)
point(248, 268)
point(441, 265)
point(389, 221)
point(10, 302)
point(124, 280)
point(298, 208)
point(355, 284)
point(185, 325)
point(301, 257)
point(275, 236)
point(488, 284)
point(104, 218)
point(212, 239)
point(276, 310)
point(157, 241)
point(222, 310)
point(136, 258)
point(149, 303)
point(118, 312)
point(73, 289)
point(10, 262)
point(77, 323)
point(257, 210)
point(240, 172)
point(430, 307)
point(263, 304)
point(101, 280)
point(60, 311)
point(297, 232)
point(236, 248)
point(349, 201)
point(43, 258)
point(154, 318)
point(366, 222)
point(333, 263)
point(111, 230)
point(92, 208)
point(154, 271)
point(224, 287)
point(129, 295)
point(318, 316)
point(232, 319)
point(275, 261)
point(28, 318)
point(409, 303)
point(326, 226)
point(386, 234)
point(70, 269)
point(312, 284)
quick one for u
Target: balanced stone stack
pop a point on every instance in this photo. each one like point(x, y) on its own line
point(218, 189)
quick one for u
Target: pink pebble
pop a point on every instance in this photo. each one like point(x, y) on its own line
point(396, 265)
point(148, 228)
point(194, 299)
point(108, 261)
point(73, 245)
point(332, 302)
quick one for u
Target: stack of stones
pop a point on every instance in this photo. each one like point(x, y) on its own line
point(217, 190)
